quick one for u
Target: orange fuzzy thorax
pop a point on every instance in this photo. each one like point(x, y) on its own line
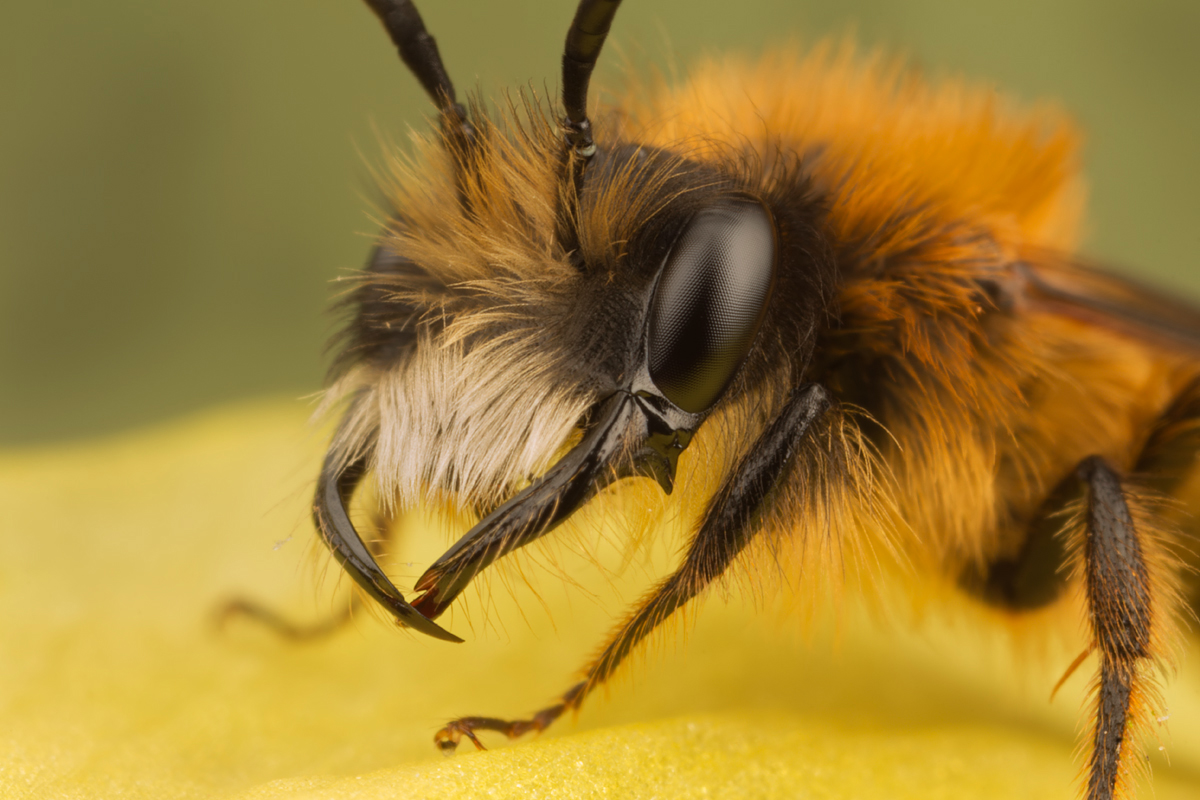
point(882, 138)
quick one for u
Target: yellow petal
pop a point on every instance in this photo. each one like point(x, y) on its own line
point(114, 555)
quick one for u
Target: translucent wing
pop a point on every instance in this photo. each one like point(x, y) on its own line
point(1074, 288)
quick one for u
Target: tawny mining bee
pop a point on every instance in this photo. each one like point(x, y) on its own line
point(860, 283)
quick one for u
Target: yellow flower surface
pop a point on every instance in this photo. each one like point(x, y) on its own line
point(114, 681)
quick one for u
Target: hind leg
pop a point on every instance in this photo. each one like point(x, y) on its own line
point(1128, 605)
point(1128, 578)
point(1129, 574)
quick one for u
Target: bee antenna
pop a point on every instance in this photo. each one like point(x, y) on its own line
point(419, 52)
point(585, 38)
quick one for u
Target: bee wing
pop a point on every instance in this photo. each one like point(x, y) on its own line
point(1074, 288)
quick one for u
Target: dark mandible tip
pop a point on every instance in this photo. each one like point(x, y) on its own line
point(585, 38)
point(419, 52)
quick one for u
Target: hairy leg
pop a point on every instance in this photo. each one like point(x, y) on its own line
point(1128, 586)
point(285, 628)
point(1123, 598)
point(730, 522)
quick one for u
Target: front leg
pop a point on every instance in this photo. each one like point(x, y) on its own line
point(731, 521)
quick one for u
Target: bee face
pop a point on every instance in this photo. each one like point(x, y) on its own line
point(508, 325)
point(619, 298)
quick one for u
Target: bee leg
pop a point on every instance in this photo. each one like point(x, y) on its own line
point(1034, 577)
point(730, 523)
point(447, 738)
point(284, 628)
point(1128, 575)
point(280, 625)
point(1121, 605)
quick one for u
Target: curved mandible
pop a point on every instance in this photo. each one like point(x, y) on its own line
point(533, 512)
point(334, 488)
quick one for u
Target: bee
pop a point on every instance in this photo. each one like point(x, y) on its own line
point(859, 286)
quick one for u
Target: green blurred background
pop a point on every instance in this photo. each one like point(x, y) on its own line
point(180, 181)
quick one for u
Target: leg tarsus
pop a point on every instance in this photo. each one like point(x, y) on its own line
point(447, 738)
point(730, 522)
point(281, 625)
point(1112, 728)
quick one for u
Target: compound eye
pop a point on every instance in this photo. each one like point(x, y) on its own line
point(710, 300)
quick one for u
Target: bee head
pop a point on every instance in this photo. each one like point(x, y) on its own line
point(500, 312)
point(555, 310)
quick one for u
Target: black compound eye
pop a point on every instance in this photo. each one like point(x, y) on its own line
point(710, 300)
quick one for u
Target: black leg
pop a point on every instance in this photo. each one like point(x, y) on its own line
point(730, 523)
point(286, 628)
point(1130, 576)
point(1120, 608)
point(1034, 577)
point(283, 627)
point(1128, 585)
